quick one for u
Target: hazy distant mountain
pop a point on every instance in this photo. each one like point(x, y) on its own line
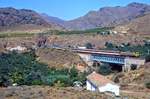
point(139, 25)
point(11, 18)
point(109, 16)
point(52, 19)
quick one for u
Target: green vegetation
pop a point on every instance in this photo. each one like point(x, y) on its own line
point(88, 31)
point(57, 32)
point(147, 85)
point(23, 69)
point(89, 46)
point(147, 58)
point(138, 50)
point(105, 69)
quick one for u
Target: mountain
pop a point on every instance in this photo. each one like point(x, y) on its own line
point(52, 19)
point(140, 25)
point(12, 19)
point(23, 19)
point(108, 16)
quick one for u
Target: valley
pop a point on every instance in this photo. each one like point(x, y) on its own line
point(104, 54)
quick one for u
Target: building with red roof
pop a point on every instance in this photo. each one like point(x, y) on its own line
point(97, 82)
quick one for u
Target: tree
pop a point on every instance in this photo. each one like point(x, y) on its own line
point(89, 45)
point(24, 69)
point(21, 68)
point(105, 69)
point(109, 45)
point(147, 58)
point(147, 85)
point(73, 72)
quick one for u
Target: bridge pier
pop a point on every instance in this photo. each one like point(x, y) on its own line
point(123, 68)
point(129, 62)
point(126, 67)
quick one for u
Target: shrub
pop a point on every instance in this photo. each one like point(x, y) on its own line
point(147, 85)
point(23, 69)
point(147, 58)
point(109, 45)
point(89, 45)
point(105, 69)
point(59, 84)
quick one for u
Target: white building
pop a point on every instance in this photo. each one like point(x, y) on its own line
point(18, 48)
point(81, 47)
point(97, 82)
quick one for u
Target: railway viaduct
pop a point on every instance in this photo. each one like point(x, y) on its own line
point(126, 60)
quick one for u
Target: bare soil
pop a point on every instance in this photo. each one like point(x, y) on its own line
point(59, 58)
point(46, 92)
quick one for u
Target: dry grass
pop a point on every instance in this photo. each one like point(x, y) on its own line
point(46, 92)
point(73, 40)
point(58, 58)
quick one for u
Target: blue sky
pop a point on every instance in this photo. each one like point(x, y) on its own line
point(65, 9)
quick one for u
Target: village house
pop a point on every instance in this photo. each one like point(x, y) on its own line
point(18, 48)
point(97, 82)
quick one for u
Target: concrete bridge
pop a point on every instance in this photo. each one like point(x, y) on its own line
point(126, 60)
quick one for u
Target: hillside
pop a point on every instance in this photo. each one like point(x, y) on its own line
point(12, 19)
point(107, 16)
point(139, 25)
point(66, 58)
point(46, 92)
